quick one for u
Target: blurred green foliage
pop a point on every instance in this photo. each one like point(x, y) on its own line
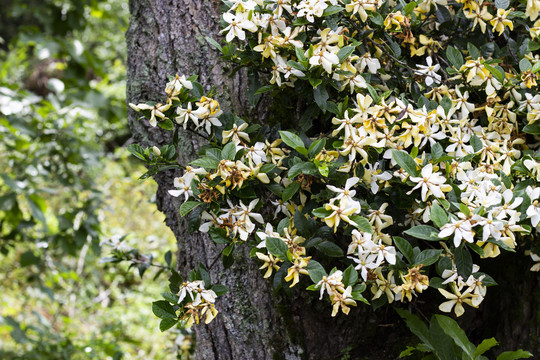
point(66, 186)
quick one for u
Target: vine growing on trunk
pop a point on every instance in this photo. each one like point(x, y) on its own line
point(402, 151)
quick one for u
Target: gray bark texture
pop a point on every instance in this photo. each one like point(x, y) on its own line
point(166, 37)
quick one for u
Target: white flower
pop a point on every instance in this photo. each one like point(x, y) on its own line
point(184, 188)
point(331, 283)
point(430, 71)
point(365, 262)
point(430, 183)
point(184, 115)
point(462, 230)
point(188, 288)
point(237, 24)
point(346, 195)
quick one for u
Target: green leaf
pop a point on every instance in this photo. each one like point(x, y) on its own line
point(452, 329)
point(396, 49)
point(446, 104)
point(315, 82)
point(291, 139)
point(219, 235)
point(476, 143)
point(300, 55)
point(484, 346)
point(265, 89)
point(137, 151)
point(444, 345)
point(417, 326)
point(186, 207)
point(536, 66)
point(167, 323)
point(303, 168)
point(410, 7)
point(296, 65)
point(290, 190)
point(229, 151)
point(206, 162)
point(331, 10)
point(437, 151)
point(532, 129)
point(316, 147)
point(321, 212)
point(330, 249)
point(320, 95)
point(163, 309)
point(438, 215)
point(525, 65)
point(463, 260)
point(315, 271)
point(496, 72)
point(376, 18)
point(166, 124)
point(473, 51)
point(487, 281)
point(345, 52)
point(511, 355)
point(424, 232)
point(220, 289)
point(405, 248)
point(427, 257)
point(277, 247)
point(350, 276)
point(363, 223)
point(301, 223)
point(214, 43)
point(454, 56)
point(406, 162)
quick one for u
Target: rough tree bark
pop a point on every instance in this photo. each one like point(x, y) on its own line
point(166, 37)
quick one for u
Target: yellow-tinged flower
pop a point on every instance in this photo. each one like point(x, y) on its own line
point(393, 21)
point(383, 285)
point(529, 78)
point(533, 8)
point(428, 44)
point(535, 30)
point(480, 15)
point(270, 263)
point(360, 7)
point(298, 268)
point(500, 22)
point(457, 299)
point(342, 301)
point(341, 212)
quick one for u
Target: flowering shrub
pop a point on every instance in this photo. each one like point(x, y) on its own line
point(414, 154)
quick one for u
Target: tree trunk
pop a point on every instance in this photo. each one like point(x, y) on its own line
point(166, 37)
